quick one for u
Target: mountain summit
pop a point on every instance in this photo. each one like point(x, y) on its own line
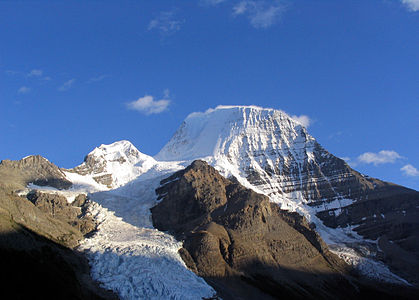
point(115, 164)
point(232, 131)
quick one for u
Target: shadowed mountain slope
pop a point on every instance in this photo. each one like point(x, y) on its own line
point(244, 245)
point(38, 232)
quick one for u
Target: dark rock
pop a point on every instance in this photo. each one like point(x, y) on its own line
point(37, 268)
point(80, 200)
point(244, 245)
point(58, 207)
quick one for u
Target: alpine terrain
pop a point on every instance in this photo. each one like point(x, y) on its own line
point(241, 203)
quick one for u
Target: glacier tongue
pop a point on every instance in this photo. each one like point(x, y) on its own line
point(129, 256)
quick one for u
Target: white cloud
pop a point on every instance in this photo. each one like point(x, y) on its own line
point(148, 105)
point(67, 85)
point(212, 2)
point(35, 73)
point(303, 120)
point(382, 157)
point(410, 170)
point(412, 5)
point(261, 14)
point(165, 23)
point(23, 90)
point(97, 78)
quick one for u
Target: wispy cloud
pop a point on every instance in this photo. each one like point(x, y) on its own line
point(412, 5)
point(97, 78)
point(303, 120)
point(67, 85)
point(12, 72)
point(38, 73)
point(35, 73)
point(212, 2)
point(382, 157)
point(261, 14)
point(410, 170)
point(147, 105)
point(23, 90)
point(166, 23)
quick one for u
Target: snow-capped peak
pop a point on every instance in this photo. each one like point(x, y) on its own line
point(120, 151)
point(115, 164)
point(231, 130)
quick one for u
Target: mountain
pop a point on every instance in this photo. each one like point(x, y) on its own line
point(269, 152)
point(114, 165)
point(278, 188)
point(243, 244)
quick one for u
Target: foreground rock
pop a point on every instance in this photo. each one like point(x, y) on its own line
point(38, 233)
point(245, 246)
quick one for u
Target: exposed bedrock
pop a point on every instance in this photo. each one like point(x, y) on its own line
point(245, 246)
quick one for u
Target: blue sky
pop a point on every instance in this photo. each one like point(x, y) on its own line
point(77, 74)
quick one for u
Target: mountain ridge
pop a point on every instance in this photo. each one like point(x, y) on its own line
point(365, 221)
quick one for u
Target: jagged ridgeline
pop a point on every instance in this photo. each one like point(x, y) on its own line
point(264, 211)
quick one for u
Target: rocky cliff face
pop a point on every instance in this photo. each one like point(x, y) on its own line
point(244, 245)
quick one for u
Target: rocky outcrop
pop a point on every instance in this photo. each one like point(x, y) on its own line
point(58, 207)
point(47, 214)
point(243, 245)
point(34, 169)
point(38, 234)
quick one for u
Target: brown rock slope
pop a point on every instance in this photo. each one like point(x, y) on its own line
point(15, 174)
point(245, 246)
point(38, 233)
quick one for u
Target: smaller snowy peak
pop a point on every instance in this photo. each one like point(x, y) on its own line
point(121, 151)
point(115, 164)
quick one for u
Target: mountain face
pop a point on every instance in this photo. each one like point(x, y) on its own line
point(235, 237)
point(245, 246)
point(270, 200)
point(271, 153)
